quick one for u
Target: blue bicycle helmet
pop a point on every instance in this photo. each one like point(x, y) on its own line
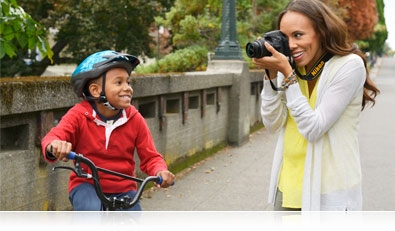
point(99, 63)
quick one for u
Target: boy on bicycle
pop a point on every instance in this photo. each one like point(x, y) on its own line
point(107, 129)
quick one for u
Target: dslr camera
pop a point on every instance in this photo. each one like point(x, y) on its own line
point(275, 38)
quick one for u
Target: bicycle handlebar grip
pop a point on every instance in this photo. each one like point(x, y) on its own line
point(71, 156)
point(160, 180)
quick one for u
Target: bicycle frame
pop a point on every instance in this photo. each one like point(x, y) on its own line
point(108, 203)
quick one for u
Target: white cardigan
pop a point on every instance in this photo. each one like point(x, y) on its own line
point(332, 172)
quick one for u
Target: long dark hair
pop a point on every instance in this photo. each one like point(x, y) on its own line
point(334, 37)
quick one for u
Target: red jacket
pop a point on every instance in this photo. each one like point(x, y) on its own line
point(109, 146)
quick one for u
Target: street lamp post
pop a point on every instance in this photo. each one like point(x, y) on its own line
point(228, 59)
point(228, 47)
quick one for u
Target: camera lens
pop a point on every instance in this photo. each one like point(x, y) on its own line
point(252, 50)
point(256, 49)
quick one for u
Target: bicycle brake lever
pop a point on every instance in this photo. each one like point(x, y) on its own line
point(79, 173)
point(64, 167)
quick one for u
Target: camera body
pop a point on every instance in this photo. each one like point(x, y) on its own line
point(275, 38)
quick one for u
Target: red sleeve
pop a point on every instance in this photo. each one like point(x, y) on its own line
point(66, 130)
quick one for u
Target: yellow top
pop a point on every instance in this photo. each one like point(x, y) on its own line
point(295, 146)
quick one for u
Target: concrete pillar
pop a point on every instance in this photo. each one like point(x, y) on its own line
point(239, 117)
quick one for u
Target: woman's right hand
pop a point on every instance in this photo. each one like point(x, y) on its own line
point(277, 62)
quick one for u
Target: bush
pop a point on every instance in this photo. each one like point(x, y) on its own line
point(188, 59)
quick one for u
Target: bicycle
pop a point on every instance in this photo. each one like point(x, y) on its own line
point(109, 204)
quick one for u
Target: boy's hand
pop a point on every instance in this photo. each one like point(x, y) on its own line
point(59, 149)
point(167, 177)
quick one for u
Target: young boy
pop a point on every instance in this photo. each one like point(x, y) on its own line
point(105, 128)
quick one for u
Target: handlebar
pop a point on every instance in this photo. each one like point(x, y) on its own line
point(110, 203)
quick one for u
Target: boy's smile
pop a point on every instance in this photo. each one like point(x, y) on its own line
point(117, 90)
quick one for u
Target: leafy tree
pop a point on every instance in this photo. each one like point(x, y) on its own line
point(360, 16)
point(375, 43)
point(88, 26)
point(192, 22)
point(20, 37)
point(365, 21)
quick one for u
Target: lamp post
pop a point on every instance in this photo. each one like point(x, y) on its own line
point(228, 59)
point(228, 47)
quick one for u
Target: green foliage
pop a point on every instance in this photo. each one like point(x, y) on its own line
point(91, 26)
point(264, 16)
point(193, 58)
point(198, 22)
point(19, 31)
point(375, 43)
point(85, 27)
point(193, 22)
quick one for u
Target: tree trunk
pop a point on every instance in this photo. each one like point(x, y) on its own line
point(38, 68)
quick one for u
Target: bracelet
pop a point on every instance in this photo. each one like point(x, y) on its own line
point(288, 81)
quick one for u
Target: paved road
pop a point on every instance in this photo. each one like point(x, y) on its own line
point(236, 178)
point(377, 142)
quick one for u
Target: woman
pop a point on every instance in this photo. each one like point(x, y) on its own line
point(316, 108)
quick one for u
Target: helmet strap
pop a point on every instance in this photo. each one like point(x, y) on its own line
point(103, 98)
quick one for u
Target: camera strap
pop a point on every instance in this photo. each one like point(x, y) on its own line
point(272, 84)
point(316, 70)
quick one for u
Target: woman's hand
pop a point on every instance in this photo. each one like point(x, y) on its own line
point(278, 62)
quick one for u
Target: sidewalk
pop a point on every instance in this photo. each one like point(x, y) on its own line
point(234, 179)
